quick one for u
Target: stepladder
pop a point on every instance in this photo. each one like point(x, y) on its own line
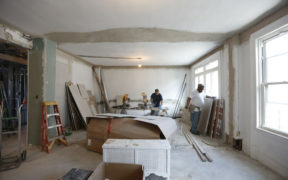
point(52, 129)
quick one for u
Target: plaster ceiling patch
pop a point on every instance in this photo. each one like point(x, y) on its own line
point(134, 35)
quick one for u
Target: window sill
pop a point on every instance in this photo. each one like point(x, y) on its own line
point(273, 132)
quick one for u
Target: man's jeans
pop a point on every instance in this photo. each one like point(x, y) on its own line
point(195, 116)
point(156, 113)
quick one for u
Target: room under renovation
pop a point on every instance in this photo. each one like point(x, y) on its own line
point(143, 90)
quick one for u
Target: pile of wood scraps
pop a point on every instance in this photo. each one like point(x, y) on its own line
point(203, 155)
point(81, 104)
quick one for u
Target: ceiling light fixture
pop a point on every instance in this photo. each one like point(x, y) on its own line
point(139, 65)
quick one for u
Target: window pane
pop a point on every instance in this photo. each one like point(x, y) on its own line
point(208, 84)
point(200, 80)
point(277, 93)
point(215, 83)
point(277, 68)
point(199, 70)
point(211, 65)
point(276, 107)
point(196, 82)
point(211, 84)
point(276, 46)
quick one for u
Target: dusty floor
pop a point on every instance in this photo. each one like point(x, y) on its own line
point(185, 163)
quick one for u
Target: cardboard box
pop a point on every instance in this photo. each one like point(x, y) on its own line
point(154, 155)
point(117, 171)
point(100, 129)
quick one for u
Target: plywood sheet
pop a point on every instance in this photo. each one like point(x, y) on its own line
point(83, 91)
point(205, 116)
point(82, 103)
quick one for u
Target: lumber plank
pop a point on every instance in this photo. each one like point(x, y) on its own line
point(13, 59)
point(102, 90)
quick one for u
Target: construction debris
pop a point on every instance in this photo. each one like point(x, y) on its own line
point(203, 155)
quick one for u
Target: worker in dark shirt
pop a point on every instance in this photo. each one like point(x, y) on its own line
point(157, 101)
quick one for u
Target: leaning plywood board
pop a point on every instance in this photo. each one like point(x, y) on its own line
point(92, 102)
point(219, 119)
point(83, 91)
point(214, 117)
point(75, 117)
point(205, 116)
point(81, 103)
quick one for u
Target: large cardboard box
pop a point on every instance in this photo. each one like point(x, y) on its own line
point(117, 171)
point(100, 129)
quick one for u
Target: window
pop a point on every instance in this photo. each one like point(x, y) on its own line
point(207, 74)
point(273, 81)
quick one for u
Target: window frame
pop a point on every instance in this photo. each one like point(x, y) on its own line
point(261, 79)
point(211, 58)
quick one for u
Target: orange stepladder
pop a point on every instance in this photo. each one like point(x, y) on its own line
point(55, 122)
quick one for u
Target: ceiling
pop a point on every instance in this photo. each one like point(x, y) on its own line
point(161, 32)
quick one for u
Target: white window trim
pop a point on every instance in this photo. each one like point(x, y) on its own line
point(211, 58)
point(256, 74)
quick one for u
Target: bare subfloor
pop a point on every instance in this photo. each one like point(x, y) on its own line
point(185, 164)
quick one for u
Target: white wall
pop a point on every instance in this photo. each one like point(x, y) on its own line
point(268, 148)
point(245, 95)
point(134, 81)
point(69, 68)
point(119, 81)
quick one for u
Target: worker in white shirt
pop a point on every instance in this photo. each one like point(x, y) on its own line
point(195, 103)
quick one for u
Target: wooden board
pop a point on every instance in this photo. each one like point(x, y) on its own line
point(102, 90)
point(219, 119)
point(205, 116)
point(76, 121)
point(92, 103)
point(81, 103)
point(83, 91)
point(214, 115)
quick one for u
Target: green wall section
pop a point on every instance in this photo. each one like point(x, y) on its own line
point(35, 91)
point(50, 70)
point(41, 84)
